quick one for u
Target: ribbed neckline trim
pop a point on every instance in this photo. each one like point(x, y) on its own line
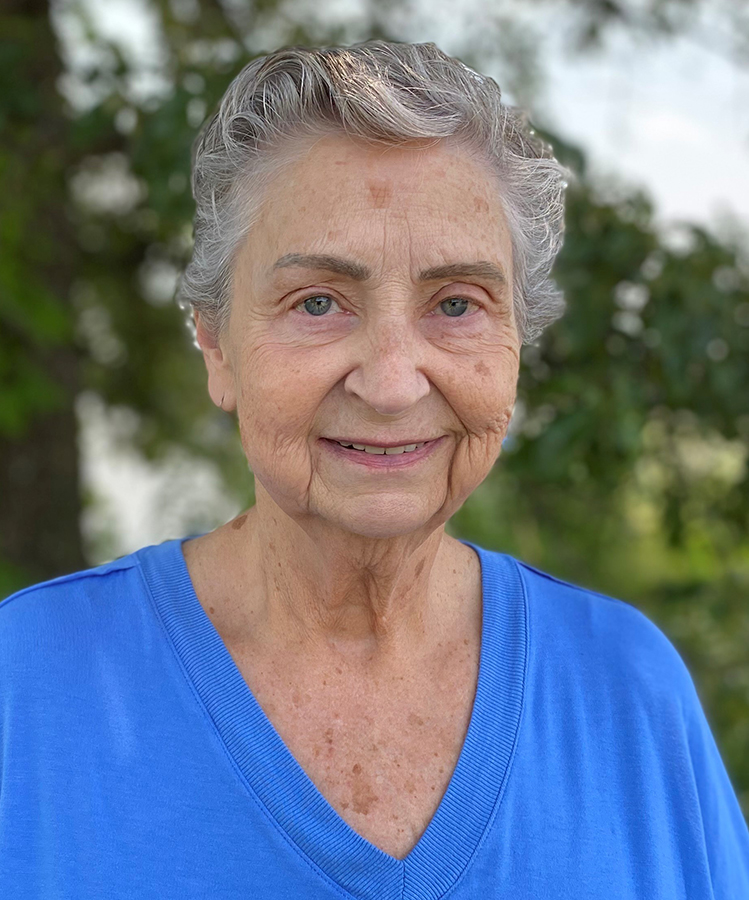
point(470, 803)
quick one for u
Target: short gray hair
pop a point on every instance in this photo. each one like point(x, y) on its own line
point(377, 91)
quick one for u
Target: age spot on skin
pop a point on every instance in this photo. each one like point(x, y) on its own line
point(380, 192)
point(238, 523)
point(363, 802)
point(363, 798)
point(482, 368)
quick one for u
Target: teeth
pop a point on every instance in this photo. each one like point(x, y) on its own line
point(381, 451)
point(407, 449)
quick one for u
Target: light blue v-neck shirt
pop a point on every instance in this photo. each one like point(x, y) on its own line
point(135, 761)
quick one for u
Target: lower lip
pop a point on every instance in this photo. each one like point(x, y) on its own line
point(383, 460)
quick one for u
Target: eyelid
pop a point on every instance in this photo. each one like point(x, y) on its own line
point(465, 289)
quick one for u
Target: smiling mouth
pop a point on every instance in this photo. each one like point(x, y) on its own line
point(380, 451)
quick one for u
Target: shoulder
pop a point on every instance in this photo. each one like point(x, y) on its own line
point(603, 638)
point(609, 685)
point(61, 611)
point(68, 585)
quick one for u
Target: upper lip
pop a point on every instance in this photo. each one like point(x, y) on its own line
point(383, 443)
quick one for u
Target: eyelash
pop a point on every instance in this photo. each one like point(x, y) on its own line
point(301, 303)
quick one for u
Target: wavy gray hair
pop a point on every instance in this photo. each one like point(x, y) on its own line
point(377, 91)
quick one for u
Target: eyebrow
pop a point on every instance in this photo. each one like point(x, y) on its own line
point(481, 269)
point(353, 270)
point(359, 272)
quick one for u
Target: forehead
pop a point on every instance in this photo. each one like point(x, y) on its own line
point(435, 200)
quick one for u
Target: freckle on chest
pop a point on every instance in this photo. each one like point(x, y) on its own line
point(362, 798)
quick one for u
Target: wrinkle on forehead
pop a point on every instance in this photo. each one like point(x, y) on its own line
point(436, 206)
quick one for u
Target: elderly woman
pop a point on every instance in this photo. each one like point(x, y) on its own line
point(329, 696)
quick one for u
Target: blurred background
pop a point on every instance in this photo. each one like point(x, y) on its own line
point(626, 466)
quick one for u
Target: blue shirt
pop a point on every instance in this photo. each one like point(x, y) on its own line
point(135, 761)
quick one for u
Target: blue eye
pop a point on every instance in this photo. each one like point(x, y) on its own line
point(457, 306)
point(318, 304)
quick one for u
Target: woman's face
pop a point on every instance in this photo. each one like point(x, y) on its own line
point(372, 304)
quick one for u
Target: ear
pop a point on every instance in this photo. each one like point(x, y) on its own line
point(220, 372)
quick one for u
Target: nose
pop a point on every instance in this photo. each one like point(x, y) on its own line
point(386, 374)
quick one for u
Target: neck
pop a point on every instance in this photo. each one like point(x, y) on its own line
point(322, 589)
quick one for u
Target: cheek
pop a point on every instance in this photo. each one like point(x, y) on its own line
point(484, 406)
point(278, 397)
point(487, 386)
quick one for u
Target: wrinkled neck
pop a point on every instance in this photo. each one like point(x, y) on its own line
point(325, 589)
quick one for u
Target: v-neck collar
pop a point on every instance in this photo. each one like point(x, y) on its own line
point(473, 795)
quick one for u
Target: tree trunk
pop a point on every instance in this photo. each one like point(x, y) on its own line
point(40, 499)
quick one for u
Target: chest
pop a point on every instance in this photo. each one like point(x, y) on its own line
point(381, 757)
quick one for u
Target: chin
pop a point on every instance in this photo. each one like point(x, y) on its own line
point(383, 517)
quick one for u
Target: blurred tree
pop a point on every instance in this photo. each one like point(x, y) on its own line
point(39, 254)
point(721, 26)
point(626, 469)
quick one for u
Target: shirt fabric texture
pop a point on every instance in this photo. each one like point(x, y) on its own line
point(135, 761)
